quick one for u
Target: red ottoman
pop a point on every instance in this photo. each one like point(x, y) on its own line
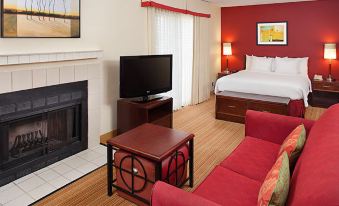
point(144, 172)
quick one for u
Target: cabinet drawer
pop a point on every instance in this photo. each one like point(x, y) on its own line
point(231, 106)
point(268, 107)
point(325, 86)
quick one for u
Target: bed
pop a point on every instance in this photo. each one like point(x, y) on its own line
point(272, 89)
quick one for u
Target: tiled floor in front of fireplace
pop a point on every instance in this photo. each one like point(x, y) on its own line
point(39, 184)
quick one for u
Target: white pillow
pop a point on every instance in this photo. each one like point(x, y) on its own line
point(303, 67)
point(261, 64)
point(287, 66)
point(248, 61)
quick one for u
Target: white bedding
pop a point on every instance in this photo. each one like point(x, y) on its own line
point(294, 87)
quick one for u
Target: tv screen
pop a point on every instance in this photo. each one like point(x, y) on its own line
point(141, 76)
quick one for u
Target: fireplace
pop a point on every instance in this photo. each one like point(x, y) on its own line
point(39, 127)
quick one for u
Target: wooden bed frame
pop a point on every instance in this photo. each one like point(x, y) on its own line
point(232, 106)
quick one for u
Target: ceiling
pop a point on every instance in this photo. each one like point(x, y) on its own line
point(229, 3)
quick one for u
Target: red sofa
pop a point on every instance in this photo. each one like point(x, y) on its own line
point(237, 180)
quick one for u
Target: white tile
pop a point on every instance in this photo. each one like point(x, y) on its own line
point(81, 72)
point(22, 80)
point(3, 60)
point(32, 183)
point(59, 182)
point(100, 149)
point(60, 57)
point(62, 168)
point(75, 162)
point(55, 164)
point(34, 58)
point(94, 123)
point(94, 71)
point(86, 168)
point(6, 187)
point(24, 59)
point(41, 170)
point(24, 178)
point(73, 175)
point(39, 78)
point(13, 59)
point(41, 191)
point(94, 86)
point(53, 76)
point(10, 194)
point(43, 58)
point(52, 57)
point(5, 82)
point(49, 175)
point(94, 101)
point(67, 74)
point(100, 161)
point(89, 155)
point(21, 201)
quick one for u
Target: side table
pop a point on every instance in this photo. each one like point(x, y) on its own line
point(146, 154)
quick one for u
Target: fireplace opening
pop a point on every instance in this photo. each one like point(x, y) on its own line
point(41, 126)
point(40, 135)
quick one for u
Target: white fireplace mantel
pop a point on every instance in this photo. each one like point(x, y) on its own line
point(43, 57)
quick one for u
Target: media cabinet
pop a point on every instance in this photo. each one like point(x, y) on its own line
point(132, 114)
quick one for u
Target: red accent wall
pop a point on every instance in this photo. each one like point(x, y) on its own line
point(310, 25)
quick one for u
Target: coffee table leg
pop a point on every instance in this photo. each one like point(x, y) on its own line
point(191, 154)
point(158, 171)
point(109, 170)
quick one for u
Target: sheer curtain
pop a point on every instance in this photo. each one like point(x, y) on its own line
point(201, 61)
point(172, 33)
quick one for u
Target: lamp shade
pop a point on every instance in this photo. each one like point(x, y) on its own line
point(227, 49)
point(330, 51)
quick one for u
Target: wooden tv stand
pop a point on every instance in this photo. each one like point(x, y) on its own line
point(132, 114)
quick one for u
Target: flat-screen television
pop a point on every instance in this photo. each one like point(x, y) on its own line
point(141, 76)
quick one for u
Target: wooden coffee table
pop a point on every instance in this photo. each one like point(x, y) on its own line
point(147, 145)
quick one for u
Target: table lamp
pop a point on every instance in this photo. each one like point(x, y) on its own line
point(227, 51)
point(330, 53)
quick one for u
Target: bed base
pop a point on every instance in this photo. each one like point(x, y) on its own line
point(232, 106)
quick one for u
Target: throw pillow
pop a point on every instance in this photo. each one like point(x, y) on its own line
point(294, 144)
point(274, 190)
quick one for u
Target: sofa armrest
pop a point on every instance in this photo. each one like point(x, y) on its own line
point(167, 195)
point(272, 127)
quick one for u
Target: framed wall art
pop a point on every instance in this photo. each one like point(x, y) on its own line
point(272, 33)
point(40, 18)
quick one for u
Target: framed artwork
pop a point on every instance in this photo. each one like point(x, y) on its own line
point(272, 33)
point(40, 18)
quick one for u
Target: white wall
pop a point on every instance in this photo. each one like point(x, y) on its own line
point(119, 27)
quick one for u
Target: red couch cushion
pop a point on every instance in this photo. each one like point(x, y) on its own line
point(253, 158)
point(315, 179)
point(226, 187)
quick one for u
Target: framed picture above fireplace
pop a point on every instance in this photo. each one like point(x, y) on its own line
point(272, 33)
point(40, 18)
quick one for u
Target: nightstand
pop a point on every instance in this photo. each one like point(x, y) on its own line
point(222, 74)
point(324, 94)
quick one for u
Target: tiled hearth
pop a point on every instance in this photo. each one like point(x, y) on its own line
point(46, 72)
point(33, 187)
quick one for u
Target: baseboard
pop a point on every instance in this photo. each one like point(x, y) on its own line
point(107, 136)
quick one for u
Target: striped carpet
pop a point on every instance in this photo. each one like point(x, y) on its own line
point(214, 140)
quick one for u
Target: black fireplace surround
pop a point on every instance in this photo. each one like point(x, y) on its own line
point(39, 127)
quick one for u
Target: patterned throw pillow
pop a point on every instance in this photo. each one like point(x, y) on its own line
point(294, 144)
point(275, 188)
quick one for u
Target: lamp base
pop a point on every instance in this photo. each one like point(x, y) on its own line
point(330, 79)
point(227, 71)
